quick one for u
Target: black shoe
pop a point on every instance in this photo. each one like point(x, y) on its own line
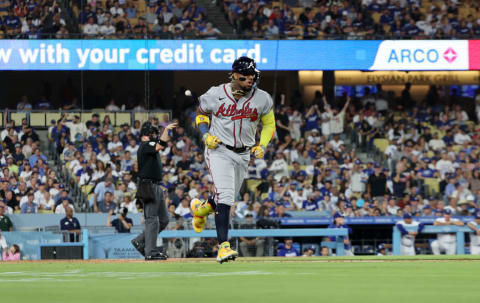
point(138, 247)
point(156, 256)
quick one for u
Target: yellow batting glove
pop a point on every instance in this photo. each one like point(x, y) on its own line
point(258, 151)
point(211, 141)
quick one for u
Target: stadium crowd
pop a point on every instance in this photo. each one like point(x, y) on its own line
point(109, 19)
point(264, 19)
point(319, 161)
point(29, 184)
point(362, 19)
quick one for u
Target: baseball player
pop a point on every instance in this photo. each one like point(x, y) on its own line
point(407, 244)
point(381, 250)
point(475, 236)
point(235, 109)
point(446, 242)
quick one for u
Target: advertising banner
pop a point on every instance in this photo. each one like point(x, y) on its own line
point(220, 54)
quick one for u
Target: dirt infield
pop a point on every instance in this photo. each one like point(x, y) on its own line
point(369, 259)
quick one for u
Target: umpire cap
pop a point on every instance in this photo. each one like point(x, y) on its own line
point(148, 129)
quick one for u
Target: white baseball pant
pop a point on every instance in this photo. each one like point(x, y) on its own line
point(449, 248)
point(228, 170)
point(475, 249)
point(407, 250)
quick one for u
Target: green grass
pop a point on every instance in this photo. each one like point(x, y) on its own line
point(418, 279)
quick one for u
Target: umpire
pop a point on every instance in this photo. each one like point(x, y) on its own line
point(149, 191)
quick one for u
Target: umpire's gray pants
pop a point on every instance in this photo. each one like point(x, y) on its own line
point(156, 220)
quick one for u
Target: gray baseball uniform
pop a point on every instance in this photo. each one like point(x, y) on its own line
point(235, 124)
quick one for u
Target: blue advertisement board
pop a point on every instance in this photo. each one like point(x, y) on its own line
point(220, 54)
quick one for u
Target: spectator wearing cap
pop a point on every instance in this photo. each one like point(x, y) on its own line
point(183, 209)
point(407, 245)
point(475, 235)
point(446, 242)
point(62, 195)
point(122, 223)
point(106, 205)
point(288, 250)
point(339, 222)
point(309, 251)
point(427, 211)
point(70, 224)
point(18, 156)
point(100, 190)
point(62, 207)
point(29, 207)
point(5, 222)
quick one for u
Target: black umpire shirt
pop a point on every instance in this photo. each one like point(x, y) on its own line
point(149, 162)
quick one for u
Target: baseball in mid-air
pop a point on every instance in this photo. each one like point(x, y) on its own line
point(188, 93)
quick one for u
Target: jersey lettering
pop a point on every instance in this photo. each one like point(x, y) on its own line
point(246, 112)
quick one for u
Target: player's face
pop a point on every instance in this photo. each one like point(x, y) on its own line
point(244, 81)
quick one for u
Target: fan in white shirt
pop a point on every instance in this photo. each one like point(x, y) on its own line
point(47, 202)
point(436, 143)
point(91, 29)
point(444, 165)
point(63, 206)
point(107, 30)
point(116, 10)
point(132, 148)
point(279, 167)
point(103, 156)
point(112, 146)
point(183, 208)
point(129, 203)
point(461, 138)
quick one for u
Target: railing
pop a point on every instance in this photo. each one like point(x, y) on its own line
point(42, 118)
point(458, 230)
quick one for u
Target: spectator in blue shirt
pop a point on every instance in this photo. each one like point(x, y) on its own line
point(100, 190)
point(106, 205)
point(287, 250)
point(70, 224)
point(310, 204)
point(86, 14)
point(34, 158)
point(122, 224)
point(12, 24)
point(29, 207)
point(374, 7)
point(386, 18)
